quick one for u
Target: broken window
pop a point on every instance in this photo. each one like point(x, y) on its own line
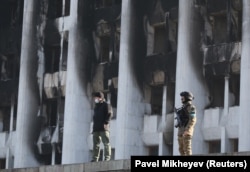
point(225, 18)
point(223, 51)
point(52, 105)
point(106, 36)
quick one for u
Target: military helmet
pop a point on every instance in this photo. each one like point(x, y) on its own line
point(188, 95)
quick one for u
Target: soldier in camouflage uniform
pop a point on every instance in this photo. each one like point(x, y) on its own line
point(188, 120)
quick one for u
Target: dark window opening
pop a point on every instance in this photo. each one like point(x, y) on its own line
point(156, 100)
point(225, 18)
point(11, 13)
point(153, 150)
point(234, 87)
point(116, 47)
point(106, 3)
point(160, 39)
point(9, 67)
point(52, 57)
point(65, 55)
point(67, 8)
point(55, 8)
point(216, 89)
point(112, 154)
point(219, 24)
point(5, 118)
point(52, 112)
point(104, 53)
point(113, 98)
point(58, 157)
point(2, 163)
point(214, 146)
point(235, 144)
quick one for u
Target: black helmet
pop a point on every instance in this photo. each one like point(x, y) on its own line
point(98, 94)
point(188, 95)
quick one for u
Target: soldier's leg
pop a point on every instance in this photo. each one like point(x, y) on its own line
point(96, 146)
point(107, 146)
point(181, 148)
point(187, 140)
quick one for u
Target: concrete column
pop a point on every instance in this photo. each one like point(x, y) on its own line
point(244, 127)
point(77, 115)
point(130, 108)
point(27, 128)
point(226, 96)
point(188, 68)
point(162, 146)
point(226, 146)
point(224, 138)
point(164, 106)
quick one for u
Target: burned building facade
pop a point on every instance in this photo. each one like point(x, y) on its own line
point(141, 54)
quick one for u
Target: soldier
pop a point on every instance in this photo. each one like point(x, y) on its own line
point(187, 123)
point(102, 115)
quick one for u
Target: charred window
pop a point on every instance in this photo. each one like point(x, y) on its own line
point(223, 51)
point(106, 3)
point(52, 112)
point(225, 19)
point(234, 87)
point(156, 100)
point(219, 28)
point(216, 88)
point(56, 7)
point(67, 7)
point(55, 55)
point(11, 13)
point(160, 39)
point(104, 53)
point(52, 54)
point(9, 67)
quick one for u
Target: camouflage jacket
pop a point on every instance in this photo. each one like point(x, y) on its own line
point(190, 109)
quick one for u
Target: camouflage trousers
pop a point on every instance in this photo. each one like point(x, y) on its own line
point(98, 137)
point(185, 147)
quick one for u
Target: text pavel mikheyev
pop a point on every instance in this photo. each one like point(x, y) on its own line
point(190, 164)
point(168, 163)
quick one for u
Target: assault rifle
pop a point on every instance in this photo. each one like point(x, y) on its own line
point(178, 112)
